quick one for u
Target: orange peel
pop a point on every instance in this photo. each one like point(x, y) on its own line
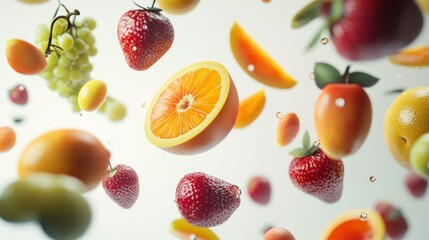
point(250, 108)
point(184, 230)
point(412, 57)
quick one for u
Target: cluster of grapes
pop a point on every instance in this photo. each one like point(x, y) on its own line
point(68, 45)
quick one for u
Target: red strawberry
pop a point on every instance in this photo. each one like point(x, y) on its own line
point(145, 36)
point(315, 173)
point(416, 184)
point(122, 185)
point(395, 222)
point(206, 201)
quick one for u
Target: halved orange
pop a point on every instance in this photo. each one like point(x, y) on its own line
point(356, 224)
point(255, 61)
point(184, 230)
point(413, 56)
point(250, 108)
point(194, 110)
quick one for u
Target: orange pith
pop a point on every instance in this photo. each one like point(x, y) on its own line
point(185, 103)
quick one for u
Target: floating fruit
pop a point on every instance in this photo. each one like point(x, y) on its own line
point(405, 121)
point(419, 155)
point(255, 61)
point(194, 110)
point(7, 139)
point(18, 95)
point(277, 233)
point(394, 221)
point(184, 230)
point(70, 152)
point(287, 129)
point(92, 95)
point(413, 57)
point(24, 57)
point(177, 6)
point(259, 189)
point(359, 224)
point(416, 184)
point(249, 109)
point(121, 184)
point(33, 1)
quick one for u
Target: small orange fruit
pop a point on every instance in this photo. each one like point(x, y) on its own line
point(413, 57)
point(194, 110)
point(359, 224)
point(24, 57)
point(405, 121)
point(177, 6)
point(184, 230)
point(70, 152)
point(249, 109)
point(7, 139)
point(287, 129)
point(255, 61)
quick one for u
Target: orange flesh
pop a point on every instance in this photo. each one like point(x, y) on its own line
point(185, 103)
point(354, 229)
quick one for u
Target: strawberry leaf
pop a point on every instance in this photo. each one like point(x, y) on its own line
point(317, 37)
point(336, 10)
point(394, 215)
point(363, 79)
point(298, 152)
point(325, 74)
point(307, 14)
point(306, 141)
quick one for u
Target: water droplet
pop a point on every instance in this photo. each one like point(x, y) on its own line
point(144, 26)
point(192, 237)
point(324, 40)
point(279, 115)
point(363, 216)
point(143, 105)
point(316, 143)
point(251, 67)
point(238, 192)
point(134, 48)
point(311, 76)
point(372, 179)
point(340, 102)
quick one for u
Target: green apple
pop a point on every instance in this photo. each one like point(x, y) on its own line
point(419, 155)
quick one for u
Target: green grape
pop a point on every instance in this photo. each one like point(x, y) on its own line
point(82, 61)
point(42, 46)
point(52, 60)
point(115, 111)
point(60, 72)
point(83, 33)
point(90, 40)
point(59, 27)
point(92, 51)
point(53, 85)
point(63, 61)
point(75, 75)
point(72, 53)
point(66, 41)
point(47, 74)
point(80, 45)
point(42, 33)
point(87, 68)
point(90, 23)
point(64, 89)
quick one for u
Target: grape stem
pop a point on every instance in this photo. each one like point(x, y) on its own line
point(69, 25)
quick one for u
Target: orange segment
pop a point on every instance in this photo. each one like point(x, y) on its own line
point(250, 108)
point(359, 224)
point(255, 61)
point(184, 230)
point(194, 110)
point(413, 57)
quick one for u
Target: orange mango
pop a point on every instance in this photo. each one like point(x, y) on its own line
point(412, 57)
point(24, 57)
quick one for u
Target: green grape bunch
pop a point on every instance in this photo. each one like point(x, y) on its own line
point(68, 44)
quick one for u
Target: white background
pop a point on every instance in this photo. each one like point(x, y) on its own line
point(203, 34)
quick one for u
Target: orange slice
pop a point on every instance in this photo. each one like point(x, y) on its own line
point(194, 110)
point(250, 108)
point(255, 61)
point(184, 230)
point(359, 224)
point(413, 57)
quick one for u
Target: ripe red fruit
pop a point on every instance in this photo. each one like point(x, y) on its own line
point(366, 29)
point(145, 35)
point(395, 222)
point(313, 172)
point(259, 189)
point(122, 185)
point(18, 95)
point(416, 184)
point(206, 201)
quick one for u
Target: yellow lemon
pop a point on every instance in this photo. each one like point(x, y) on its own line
point(406, 120)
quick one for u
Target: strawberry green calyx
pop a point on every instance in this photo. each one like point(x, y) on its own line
point(325, 74)
point(151, 8)
point(307, 149)
point(394, 215)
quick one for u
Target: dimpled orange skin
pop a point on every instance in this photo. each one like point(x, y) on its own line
point(342, 130)
point(406, 119)
point(71, 152)
point(7, 139)
point(277, 233)
point(24, 57)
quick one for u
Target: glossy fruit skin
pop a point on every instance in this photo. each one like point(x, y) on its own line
point(416, 184)
point(405, 121)
point(177, 6)
point(55, 201)
point(18, 95)
point(342, 119)
point(24, 57)
point(143, 46)
point(71, 152)
point(318, 175)
point(277, 233)
point(287, 129)
point(249, 109)
point(396, 224)
point(259, 189)
point(7, 138)
point(92, 95)
point(206, 201)
point(419, 155)
point(122, 185)
point(184, 230)
point(372, 29)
